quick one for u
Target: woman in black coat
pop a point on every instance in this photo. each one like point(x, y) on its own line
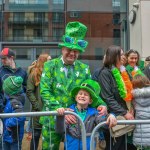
point(110, 92)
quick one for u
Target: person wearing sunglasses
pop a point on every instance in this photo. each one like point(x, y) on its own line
point(59, 77)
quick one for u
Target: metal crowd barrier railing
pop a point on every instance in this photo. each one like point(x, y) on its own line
point(49, 113)
point(119, 122)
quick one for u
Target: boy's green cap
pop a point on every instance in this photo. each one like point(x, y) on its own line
point(90, 86)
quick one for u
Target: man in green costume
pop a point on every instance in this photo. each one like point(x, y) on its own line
point(59, 77)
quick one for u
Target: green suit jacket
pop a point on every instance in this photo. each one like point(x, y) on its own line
point(56, 88)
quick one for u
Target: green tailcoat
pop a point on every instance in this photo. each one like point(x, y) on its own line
point(56, 88)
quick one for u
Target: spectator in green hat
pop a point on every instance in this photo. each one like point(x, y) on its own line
point(13, 127)
point(86, 95)
point(59, 77)
point(12, 85)
point(9, 68)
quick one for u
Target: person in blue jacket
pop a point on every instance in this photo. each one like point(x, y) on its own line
point(13, 130)
point(86, 95)
point(9, 68)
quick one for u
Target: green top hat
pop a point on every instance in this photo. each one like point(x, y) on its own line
point(74, 37)
point(12, 85)
point(90, 86)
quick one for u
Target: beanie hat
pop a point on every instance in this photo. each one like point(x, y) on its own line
point(90, 86)
point(74, 36)
point(12, 85)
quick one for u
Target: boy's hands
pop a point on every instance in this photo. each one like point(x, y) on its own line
point(70, 119)
point(61, 111)
point(111, 121)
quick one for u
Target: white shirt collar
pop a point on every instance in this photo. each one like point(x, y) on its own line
point(64, 62)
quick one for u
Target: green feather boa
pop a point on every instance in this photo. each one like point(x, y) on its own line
point(120, 84)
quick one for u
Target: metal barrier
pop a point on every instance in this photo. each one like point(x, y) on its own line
point(49, 113)
point(119, 122)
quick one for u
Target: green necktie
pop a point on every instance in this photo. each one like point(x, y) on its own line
point(69, 72)
point(69, 76)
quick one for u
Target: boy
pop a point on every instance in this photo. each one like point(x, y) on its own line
point(14, 126)
point(85, 96)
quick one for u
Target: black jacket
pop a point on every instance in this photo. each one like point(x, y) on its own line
point(110, 93)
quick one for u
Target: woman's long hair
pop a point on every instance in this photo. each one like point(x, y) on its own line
point(112, 55)
point(35, 70)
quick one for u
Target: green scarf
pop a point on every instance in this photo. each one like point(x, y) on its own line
point(134, 70)
point(120, 83)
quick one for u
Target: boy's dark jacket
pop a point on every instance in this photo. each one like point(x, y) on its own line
point(73, 136)
point(14, 125)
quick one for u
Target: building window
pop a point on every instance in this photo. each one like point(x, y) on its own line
point(18, 1)
point(1, 17)
point(116, 35)
point(75, 14)
point(39, 17)
point(18, 34)
point(18, 16)
point(99, 53)
point(23, 54)
point(28, 1)
point(58, 1)
point(58, 17)
point(37, 33)
point(116, 18)
point(57, 34)
point(41, 1)
point(116, 5)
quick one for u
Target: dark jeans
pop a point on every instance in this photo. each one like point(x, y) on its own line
point(12, 146)
point(36, 133)
point(131, 147)
point(117, 144)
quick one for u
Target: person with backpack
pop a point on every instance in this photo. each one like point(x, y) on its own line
point(13, 127)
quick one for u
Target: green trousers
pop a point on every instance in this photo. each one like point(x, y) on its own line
point(50, 139)
point(144, 148)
